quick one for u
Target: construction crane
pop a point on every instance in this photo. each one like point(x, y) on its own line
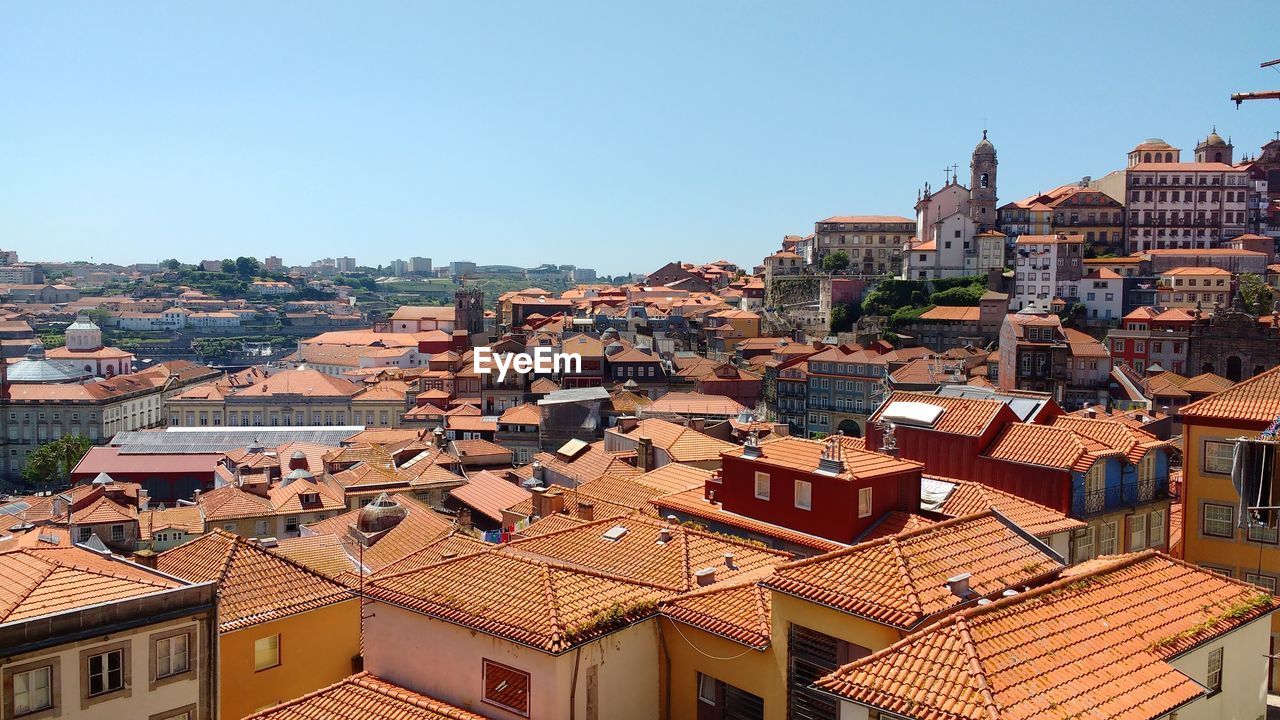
point(1262, 95)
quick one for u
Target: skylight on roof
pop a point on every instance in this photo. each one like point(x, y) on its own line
point(615, 533)
point(920, 414)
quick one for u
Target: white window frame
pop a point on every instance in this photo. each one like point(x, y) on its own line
point(762, 481)
point(24, 695)
point(864, 502)
point(1266, 582)
point(177, 658)
point(804, 489)
point(1107, 538)
point(1213, 462)
point(1156, 530)
point(1229, 519)
point(1213, 678)
point(1137, 532)
point(704, 681)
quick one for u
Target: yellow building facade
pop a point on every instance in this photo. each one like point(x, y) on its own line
point(1214, 535)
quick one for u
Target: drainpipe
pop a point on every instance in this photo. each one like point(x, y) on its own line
point(573, 686)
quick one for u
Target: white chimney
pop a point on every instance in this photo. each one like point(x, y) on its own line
point(705, 576)
point(728, 561)
point(959, 586)
point(664, 536)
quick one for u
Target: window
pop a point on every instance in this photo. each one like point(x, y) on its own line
point(1107, 538)
point(1214, 679)
point(1266, 582)
point(1218, 520)
point(117, 533)
point(171, 656)
point(266, 652)
point(762, 486)
point(506, 687)
point(32, 690)
point(1083, 544)
point(291, 524)
point(1218, 456)
point(864, 502)
point(106, 672)
point(719, 700)
point(707, 689)
point(1137, 532)
point(1156, 529)
point(804, 494)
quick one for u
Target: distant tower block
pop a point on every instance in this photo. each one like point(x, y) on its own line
point(468, 308)
point(982, 184)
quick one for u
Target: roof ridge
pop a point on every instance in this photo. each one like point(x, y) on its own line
point(558, 632)
point(976, 671)
point(1238, 385)
point(53, 567)
point(904, 571)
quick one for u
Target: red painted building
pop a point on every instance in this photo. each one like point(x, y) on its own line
point(831, 489)
point(951, 443)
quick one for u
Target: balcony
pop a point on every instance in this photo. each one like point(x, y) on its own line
point(1114, 497)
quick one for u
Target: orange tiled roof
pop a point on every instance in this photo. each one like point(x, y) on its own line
point(1048, 446)
point(420, 526)
point(801, 454)
point(548, 606)
point(639, 554)
point(1111, 625)
point(445, 547)
point(365, 697)
point(947, 313)
point(1134, 442)
point(901, 580)
point(254, 585)
point(1256, 400)
point(972, 497)
point(683, 444)
point(324, 554)
point(693, 403)
point(489, 494)
point(40, 582)
point(526, 414)
point(960, 416)
point(739, 611)
point(895, 522)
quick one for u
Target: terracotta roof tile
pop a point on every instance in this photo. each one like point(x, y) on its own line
point(970, 497)
point(364, 697)
point(1048, 446)
point(420, 526)
point(489, 494)
point(1255, 400)
point(40, 582)
point(902, 580)
point(254, 585)
point(324, 554)
point(739, 611)
point(548, 606)
point(678, 403)
point(1116, 617)
point(960, 416)
point(683, 444)
point(639, 553)
point(801, 454)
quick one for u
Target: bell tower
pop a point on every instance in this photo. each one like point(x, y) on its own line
point(982, 184)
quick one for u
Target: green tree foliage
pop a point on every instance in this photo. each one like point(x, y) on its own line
point(965, 295)
point(837, 261)
point(892, 294)
point(172, 264)
point(1258, 298)
point(229, 266)
point(52, 462)
point(844, 317)
point(247, 267)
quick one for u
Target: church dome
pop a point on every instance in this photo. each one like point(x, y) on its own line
point(383, 513)
point(1215, 140)
point(36, 368)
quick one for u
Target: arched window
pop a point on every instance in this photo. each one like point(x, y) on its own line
point(1168, 157)
point(1217, 157)
point(1146, 157)
point(982, 180)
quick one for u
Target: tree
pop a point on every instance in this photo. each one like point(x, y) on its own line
point(844, 317)
point(837, 261)
point(1256, 295)
point(51, 463)
point(229, 266)
point(247, 267)
point(172, 264)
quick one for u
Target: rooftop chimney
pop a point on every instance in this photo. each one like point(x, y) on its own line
point(959, 586)
point(548, 501)
point(267, 542)
point(672, 519)
point(705, 576)
point(539, 472)
point(664, 536)
point(728, 561)
point(832, 460)
point(586, 511)
point(464, 517)
point(1090, 413)
point(644, 454)
point(751, 446)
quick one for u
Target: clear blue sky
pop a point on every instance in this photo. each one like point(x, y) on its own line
point(590, 133)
